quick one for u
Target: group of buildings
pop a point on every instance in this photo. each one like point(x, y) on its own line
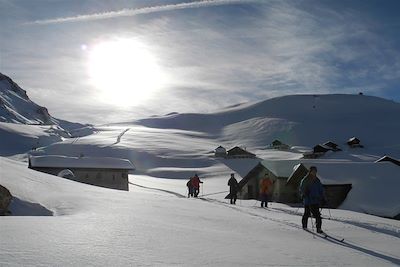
point(320, 149)
point(287, 174)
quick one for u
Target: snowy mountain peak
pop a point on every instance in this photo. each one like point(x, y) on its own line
point(13, 86)
point(16, 107)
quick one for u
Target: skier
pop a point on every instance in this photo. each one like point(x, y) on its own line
point(233, 188)
point(190, 187)
point(196, 185)
point(312, 193)
point(265, 185)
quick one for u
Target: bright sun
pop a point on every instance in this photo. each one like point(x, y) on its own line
point(125, 72)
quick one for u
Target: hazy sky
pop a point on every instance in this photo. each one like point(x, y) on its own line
point(101, 61)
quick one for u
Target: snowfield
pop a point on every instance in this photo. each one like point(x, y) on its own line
point(154, 224)
point(65, 223)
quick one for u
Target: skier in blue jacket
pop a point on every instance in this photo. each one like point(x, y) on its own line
point(312, 192)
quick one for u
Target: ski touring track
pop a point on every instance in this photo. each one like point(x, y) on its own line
point(120, 136)
point(332, 239)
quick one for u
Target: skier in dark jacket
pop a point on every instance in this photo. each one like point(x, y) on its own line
point(233, 188)
point(312, 192)
point(190, 187)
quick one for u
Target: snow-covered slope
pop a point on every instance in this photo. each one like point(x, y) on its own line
point(155, 225)
point(297, 120)
point(186, 140)
point(184, 146)
point(21, 138)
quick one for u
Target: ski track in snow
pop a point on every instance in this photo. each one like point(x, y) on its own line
point(335, 240)
point(366, 226)
point(120, 136)
point(160, 190)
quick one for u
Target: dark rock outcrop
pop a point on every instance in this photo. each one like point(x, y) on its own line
point(5, 200)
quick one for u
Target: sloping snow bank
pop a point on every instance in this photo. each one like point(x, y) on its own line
point(58, 195)
point(152, 227)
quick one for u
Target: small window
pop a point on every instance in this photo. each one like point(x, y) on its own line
point(98, 176)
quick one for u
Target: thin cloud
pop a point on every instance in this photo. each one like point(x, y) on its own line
point(139, 11)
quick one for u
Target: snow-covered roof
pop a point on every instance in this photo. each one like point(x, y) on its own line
point(239, 151)
point(280, 168)
point(55, 161)
point(220, 149)
point(389, 159)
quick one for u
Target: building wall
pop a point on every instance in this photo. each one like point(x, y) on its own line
point(285, 193)
point(109, 178)
point(280, 191)
point(252, 189)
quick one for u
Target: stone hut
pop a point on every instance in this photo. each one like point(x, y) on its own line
point(100, 171)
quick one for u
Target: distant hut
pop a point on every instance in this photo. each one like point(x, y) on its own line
point(389, 159)
point(220, 152)
point(238, 152)
point(354, 142)
point(100, 171)
point(321, 149)
point(276, 144)
point(332, 145)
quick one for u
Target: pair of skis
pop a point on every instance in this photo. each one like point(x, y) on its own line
point(325, 236)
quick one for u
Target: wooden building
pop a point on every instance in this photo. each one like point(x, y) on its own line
point(335, 193)
point(333, 146)
point(278, 171)
point(276, 144)
point(100, 171)
point(238, 152)
point(354, 142)
point(321, 149)
point(220, 152)
point(287, 175)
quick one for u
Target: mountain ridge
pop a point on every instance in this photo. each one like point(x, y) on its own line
point(17, 107)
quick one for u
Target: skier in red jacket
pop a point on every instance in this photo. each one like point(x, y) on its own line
point(196, 184)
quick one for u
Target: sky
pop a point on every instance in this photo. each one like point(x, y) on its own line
point(98, 61)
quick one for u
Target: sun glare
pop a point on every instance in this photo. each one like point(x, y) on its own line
point(125, 72)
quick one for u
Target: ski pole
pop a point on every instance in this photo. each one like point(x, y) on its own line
point(312, 226)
